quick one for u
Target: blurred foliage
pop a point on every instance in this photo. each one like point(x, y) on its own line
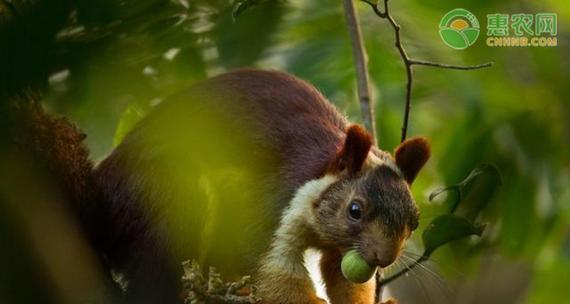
point(107, 63)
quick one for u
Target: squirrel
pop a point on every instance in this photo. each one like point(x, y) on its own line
point(245, 171)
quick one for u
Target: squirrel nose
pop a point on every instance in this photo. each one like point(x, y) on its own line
point(386, 259)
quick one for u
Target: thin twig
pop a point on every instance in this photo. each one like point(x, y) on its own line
point(212, 289)
point(361, 63)
point(379, 290)
point(374, 7)
point(451, 66)
point(409, 62)
point(408, 66)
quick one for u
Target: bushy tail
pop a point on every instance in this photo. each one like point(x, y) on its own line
point(53, 151)
point(53, 145)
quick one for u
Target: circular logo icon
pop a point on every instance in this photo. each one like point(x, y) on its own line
point(459, 29)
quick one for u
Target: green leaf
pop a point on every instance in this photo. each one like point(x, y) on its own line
point(447, 228)
point(128, 120)
point(459, 188)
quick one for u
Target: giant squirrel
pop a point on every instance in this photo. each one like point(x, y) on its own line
point(300, 176)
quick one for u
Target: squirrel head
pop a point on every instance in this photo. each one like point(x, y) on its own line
point(369, 206)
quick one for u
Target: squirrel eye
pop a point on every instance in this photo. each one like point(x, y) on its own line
point(355, 210)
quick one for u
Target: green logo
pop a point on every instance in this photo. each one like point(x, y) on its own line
point(459, 29)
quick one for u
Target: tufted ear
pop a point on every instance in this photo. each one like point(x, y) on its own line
point(355, 149)
point(411, 156)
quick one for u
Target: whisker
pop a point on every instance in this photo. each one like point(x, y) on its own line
point(417, 280)
point(433, 261)
point(439, 282)
point(424, 267)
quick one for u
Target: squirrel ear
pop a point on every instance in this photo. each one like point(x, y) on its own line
point(411, 156)
point(355, 150)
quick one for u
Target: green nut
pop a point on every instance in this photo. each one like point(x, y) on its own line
point(355, 268)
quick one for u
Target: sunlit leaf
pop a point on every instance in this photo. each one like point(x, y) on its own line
point(128, 120)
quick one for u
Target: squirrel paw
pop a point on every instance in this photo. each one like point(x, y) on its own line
point(390, 301)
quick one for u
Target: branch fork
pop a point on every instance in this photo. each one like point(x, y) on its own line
point(410, 62)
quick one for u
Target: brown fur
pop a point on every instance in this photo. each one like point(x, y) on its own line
point(354, 151)
point(55, 145)
point(411, 155)
point(54, 149)
point(288, 290)
point(389, 215)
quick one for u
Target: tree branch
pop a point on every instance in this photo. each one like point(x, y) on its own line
point(451, 66)
point(374, 6)
point(361, 63)
point(408, 66)
point(409, 62)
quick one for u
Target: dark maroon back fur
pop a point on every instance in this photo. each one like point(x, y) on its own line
point(304, 128)
point(292, 130)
